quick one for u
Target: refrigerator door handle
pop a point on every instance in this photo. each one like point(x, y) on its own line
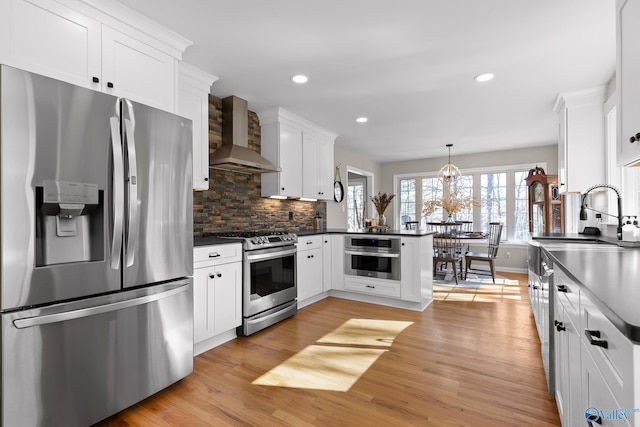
point(118, 192)
point(134, 215)
point(29, 322)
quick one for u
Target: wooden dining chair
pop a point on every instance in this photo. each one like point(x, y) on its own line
point(493, 242)
point(412, 225)
point(446, 241)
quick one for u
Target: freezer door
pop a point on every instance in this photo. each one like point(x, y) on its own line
point(75, 364)
point(158, 236)
point(56, 217)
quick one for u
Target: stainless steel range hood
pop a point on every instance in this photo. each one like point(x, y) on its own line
point(235, 154)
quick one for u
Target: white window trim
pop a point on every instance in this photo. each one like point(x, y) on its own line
point(476, 189)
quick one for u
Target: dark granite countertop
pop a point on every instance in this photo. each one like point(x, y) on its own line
point(607, 272)
point(207, 241)
point(414, 233)
point(212, 240)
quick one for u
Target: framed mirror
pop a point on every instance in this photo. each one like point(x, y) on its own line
point(338, 191)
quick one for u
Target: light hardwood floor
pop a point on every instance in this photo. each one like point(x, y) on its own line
point(458, 363)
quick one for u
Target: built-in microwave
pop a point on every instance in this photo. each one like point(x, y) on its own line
point(372, 256)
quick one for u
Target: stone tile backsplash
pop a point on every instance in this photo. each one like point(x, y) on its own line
point(233, 201)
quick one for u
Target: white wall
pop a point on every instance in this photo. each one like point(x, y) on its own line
point(337, 212)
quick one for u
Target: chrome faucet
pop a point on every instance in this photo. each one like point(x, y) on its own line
point(583, 206)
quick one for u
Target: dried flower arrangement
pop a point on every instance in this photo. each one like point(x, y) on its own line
point(381, 201)
point(453, 204)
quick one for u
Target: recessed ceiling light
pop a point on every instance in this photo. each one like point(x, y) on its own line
point(300, 78)
point(484, 77)
point(362, 120)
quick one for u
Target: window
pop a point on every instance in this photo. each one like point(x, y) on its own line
point(355, 204)
point(407, 201)
point(493, 199)
point(501, 194)
point(431, 190)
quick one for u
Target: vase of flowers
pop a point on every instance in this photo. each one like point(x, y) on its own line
point(452, 204)
point(381, 202)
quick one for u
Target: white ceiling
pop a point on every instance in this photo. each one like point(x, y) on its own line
point(407, 65)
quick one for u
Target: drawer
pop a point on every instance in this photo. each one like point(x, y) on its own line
point(614, 362)
point(373, 287)
point(204, 256)
point(567, 294)
point(309, 242)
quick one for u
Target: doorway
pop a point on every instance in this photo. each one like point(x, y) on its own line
point(359, 190)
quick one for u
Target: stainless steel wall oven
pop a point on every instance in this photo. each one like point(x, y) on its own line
point(372, 256)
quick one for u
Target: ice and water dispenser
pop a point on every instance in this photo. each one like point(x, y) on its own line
point(69, 226)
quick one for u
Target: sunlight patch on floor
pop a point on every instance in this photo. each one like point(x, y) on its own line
point(338, 359)
point(322, 367)
point(365, 332)
point(478, 290)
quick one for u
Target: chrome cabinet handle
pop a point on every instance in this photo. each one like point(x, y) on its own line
point(214, 255)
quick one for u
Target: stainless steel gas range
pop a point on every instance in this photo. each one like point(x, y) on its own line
point(269, 292)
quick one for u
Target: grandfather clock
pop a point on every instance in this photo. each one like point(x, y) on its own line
point(545, 205)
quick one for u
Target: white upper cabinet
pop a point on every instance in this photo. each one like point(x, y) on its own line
point(581, 139)
point(317, 166)
point(193, 103)
point(48, 38)
point(132, 69)
point(282, 144)
point(628, 83)
point(103, 46)
point(304, 153)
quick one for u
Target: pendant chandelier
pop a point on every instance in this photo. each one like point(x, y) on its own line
point(449, 172)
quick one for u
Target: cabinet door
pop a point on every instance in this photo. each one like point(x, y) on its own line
point(568, 373)
point(48, 38)
point(562, 150)
point(227, 297)
point(202, 298)
point(337, 261)
point(326, 263)
point(628, 80)
point(561, 363)
point(193, 103)
point(309, 266)
point(310, 165)
point(410, 270)
point(325, 168)
point(599, 401)
point(290, 154)
point(135, 70)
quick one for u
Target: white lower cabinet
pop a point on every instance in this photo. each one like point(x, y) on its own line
point(597, 368)
point(327, 268)
point(337, 262)
point(568, 381)
point(217, 293)
point(309, 267)
point(599, 402)
point(378, 287)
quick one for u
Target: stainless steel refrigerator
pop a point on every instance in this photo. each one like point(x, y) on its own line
point(96, 252)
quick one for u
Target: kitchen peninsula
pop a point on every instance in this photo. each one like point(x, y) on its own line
point(323, 268)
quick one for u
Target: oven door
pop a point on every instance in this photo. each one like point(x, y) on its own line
point(381, 265)
point(269, 279)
